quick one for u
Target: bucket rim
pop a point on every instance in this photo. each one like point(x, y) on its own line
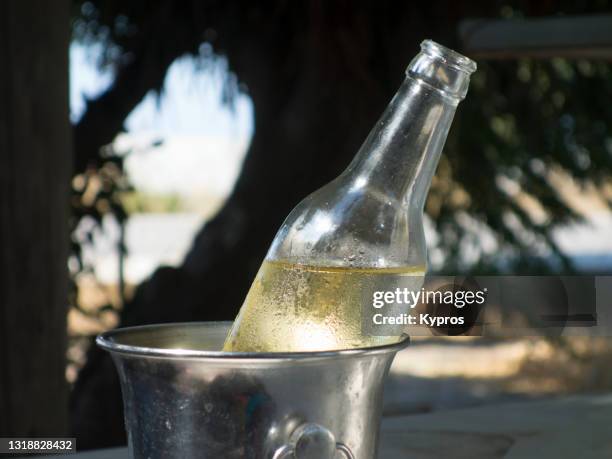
point(108, 342)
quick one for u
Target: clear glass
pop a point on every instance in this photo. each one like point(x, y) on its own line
point(363, 231)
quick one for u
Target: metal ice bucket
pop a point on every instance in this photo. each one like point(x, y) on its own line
point(184, 398)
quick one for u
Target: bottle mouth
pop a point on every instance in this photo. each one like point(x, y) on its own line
point(450, 57)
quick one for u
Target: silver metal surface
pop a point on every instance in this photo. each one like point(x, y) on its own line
point(183, 398)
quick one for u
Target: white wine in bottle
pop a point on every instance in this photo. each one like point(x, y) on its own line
point(308, 308)
point(363, 232)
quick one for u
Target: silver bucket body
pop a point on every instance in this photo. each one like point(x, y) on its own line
point(183, 398)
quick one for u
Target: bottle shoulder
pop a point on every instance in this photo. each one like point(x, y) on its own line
point(347, 224)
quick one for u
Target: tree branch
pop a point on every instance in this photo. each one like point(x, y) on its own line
point(148, 56)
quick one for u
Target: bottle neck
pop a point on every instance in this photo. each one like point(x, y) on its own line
point(400, 155)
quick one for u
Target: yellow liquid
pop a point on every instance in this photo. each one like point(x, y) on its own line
point(292, 308)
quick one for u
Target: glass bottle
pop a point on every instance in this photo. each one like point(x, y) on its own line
point(362, 232)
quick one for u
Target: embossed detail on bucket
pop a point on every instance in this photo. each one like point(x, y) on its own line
point(312, 441)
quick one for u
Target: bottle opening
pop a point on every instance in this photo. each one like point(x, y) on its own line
point(450, 57)
point(442, 69)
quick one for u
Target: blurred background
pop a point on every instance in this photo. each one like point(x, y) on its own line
point(182, 133)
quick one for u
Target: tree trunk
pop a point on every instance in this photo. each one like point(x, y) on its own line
point(35, 164)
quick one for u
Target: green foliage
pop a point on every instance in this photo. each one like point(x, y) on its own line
point(521, 121)
point(139, 202)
